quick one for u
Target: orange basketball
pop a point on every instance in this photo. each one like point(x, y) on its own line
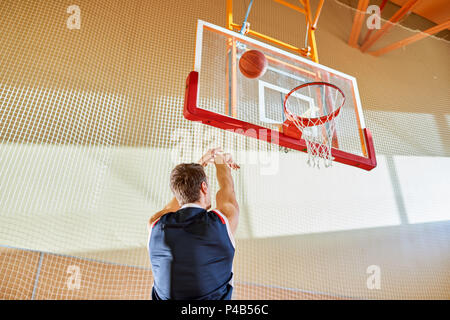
point(253, 64)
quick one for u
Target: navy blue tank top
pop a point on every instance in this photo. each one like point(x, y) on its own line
point(191, 253)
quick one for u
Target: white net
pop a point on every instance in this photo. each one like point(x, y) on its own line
point(314, 110)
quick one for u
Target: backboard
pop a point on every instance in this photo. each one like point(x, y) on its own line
point(218, 94)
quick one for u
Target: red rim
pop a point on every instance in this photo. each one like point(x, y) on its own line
point(311, 122)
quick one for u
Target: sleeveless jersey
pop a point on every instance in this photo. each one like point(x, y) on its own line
point(191, 253)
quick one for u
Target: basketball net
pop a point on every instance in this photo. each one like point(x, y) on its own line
point(314, 108)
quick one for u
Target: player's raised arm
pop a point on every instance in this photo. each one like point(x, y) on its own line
point(226, 197)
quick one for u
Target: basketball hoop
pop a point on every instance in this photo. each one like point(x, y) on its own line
point(313, 108)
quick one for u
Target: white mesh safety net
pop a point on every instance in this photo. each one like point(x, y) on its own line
point(91, 123)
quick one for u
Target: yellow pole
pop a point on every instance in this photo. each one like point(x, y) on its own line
point(310, 20)
point(319, 10)
point(231, 65)
point(229, 14)
point(311, 33)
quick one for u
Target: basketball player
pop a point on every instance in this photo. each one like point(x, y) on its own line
point(192, 249)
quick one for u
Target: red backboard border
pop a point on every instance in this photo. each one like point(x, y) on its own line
point(193, 113)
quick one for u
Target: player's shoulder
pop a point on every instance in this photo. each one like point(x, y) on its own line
point(217, 214)
point(224, 221)
point(231, 212)
point(168, 217)
point(158, 217)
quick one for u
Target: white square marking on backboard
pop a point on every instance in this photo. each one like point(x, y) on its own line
point(261, 100)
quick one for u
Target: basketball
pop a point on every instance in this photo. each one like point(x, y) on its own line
point(253, 64)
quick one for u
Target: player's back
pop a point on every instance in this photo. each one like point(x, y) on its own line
point(191, 253)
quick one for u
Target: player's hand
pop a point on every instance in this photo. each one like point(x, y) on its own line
point(226, 158)
point(208, 157)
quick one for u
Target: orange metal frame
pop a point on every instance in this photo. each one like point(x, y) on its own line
point(310, 20)
point(370, 39)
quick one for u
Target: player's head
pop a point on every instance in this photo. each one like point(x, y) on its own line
point(189, 184)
